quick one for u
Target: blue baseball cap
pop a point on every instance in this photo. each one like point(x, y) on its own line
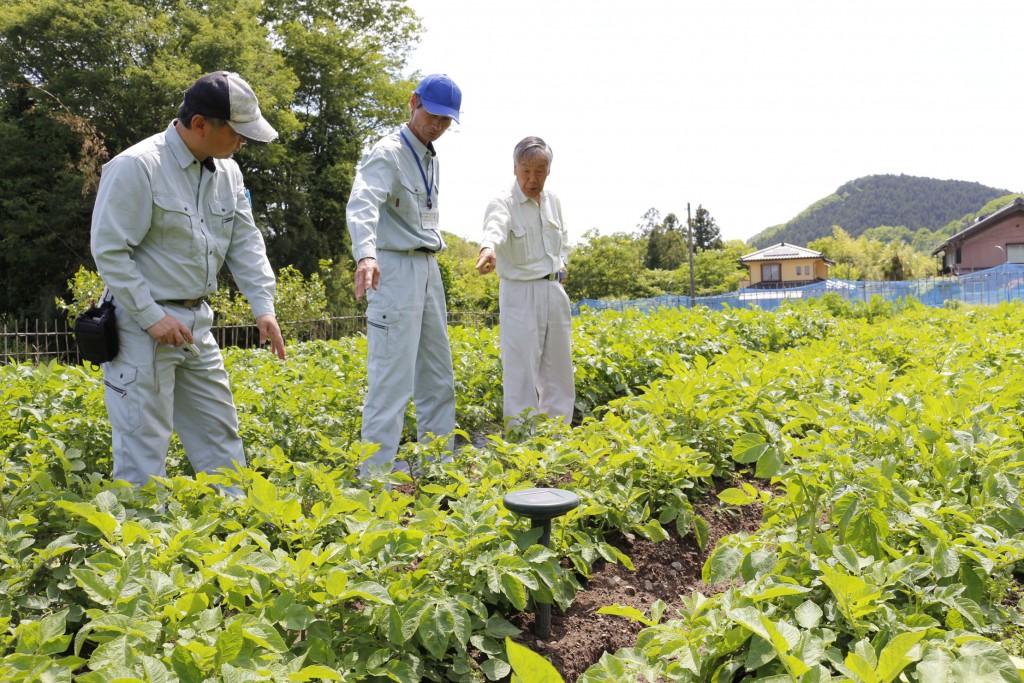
point(440, 96)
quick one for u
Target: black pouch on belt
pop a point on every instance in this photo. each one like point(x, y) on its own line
point(96, 333)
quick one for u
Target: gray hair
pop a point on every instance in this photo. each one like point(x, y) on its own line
point(532, 145)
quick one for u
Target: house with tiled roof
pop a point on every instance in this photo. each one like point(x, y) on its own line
point(990, 241)
point(784, 265)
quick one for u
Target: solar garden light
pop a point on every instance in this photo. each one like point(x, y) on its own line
point(541, 506)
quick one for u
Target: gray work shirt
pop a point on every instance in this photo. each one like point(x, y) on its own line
point(388, 195)
point(164, 224)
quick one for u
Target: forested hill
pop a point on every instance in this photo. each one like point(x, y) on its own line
point(877, 200)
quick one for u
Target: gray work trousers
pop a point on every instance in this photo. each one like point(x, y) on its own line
point(408, 354)
point(153, 388)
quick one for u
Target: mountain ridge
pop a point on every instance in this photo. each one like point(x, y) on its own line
point(915, 203)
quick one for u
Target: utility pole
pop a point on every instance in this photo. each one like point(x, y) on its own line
point(689, 240)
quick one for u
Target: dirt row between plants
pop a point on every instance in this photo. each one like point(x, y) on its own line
point(665, 571)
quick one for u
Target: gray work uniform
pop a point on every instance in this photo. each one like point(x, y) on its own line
point(407, 323)
point(162, 227)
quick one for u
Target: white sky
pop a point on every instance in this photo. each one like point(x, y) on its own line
point(755, 108)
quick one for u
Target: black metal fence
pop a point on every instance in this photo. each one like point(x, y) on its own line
point(40, 341)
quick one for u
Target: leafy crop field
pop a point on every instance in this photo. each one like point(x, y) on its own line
point(885, 445)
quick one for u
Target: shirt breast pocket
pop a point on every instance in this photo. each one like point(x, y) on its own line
point(552, 237)
point(519, 245)
point(222, 222)
point(406, 203)
point(173, 223)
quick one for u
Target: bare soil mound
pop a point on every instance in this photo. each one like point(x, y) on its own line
point(665, 571)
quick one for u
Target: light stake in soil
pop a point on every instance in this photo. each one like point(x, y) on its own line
point(541, 506)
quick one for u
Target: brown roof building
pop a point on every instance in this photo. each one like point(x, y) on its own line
point(991, 241)
point(784, 265)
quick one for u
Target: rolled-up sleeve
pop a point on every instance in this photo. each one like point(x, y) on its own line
point(120, 221)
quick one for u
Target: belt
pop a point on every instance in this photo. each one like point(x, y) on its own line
point(187, 303)
point(550, 276)
point(426, 250)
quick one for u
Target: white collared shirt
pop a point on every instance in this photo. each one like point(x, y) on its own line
point(529, 238)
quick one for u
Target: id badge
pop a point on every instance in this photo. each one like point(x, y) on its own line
point(430, 218)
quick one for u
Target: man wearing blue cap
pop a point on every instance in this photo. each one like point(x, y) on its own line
point(392, 217)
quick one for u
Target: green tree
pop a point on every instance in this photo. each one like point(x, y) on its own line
point(465, 288)
point(864, 258)
point(347, 60)
point(889, 233)
point(650, 220)
point(841, 249)
point(608, 267)
point(894, 268)
point(327, 75)
point(49, 166)
point(666, 245)
point(717, 271)
point(924, 240)
point(123, 64)
point(706, 234)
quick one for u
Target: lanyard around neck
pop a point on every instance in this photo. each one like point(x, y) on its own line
point(430, 185)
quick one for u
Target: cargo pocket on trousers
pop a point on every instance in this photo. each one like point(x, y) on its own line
point(378, 333)
point(122, 396)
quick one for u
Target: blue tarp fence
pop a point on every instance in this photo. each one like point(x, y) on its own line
point(991, 286)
